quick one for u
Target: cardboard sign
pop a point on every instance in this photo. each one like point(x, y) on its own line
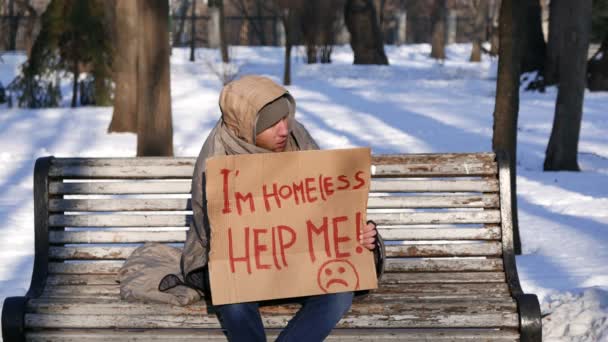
point(287, 224)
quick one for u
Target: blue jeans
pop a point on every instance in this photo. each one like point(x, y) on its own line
point(313, 322)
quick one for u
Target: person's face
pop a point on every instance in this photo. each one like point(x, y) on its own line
point(274, 138)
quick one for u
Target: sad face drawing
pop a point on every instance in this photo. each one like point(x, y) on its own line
point(338, 275)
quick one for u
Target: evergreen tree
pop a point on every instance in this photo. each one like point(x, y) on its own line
point(73, 36)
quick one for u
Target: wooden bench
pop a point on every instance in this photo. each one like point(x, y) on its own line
point(450, 271)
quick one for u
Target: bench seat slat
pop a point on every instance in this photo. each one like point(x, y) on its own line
point(106, 306)
point(389, 291)
point(341, 335)
point(389, 234)
point(387, 278)
point(419, 319)
point(183, 204)
point(112, 220)
point(177, 186)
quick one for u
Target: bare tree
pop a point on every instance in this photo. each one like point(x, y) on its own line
point(223, 42)
point(480, 9)
point(504, 136)
point(143, 101)
point(562, 151)
point(597, 68)
point(318, 24)
point(16, 10)
point(124, 116)
point(182, 12)
point(192, 30)
point(438, 19)
point(555, 45)
point(154, 124)
point(534, 51)
point(288, 11)
point(13, 25)
point(255, 23)
point(365, 34)
point(494, 31)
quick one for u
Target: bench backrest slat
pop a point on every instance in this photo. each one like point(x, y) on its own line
point(437, 213)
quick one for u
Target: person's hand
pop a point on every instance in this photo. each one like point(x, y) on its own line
point(368, 236)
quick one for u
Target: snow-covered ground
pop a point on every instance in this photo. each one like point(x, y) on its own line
point(414, 105)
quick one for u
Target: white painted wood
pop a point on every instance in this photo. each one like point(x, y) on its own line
point(453, 201)
point(180, 220)
point(385, 294)
point(105, 267)
point(387, 278)
point(437, 318)
point(183, 186)
point(443, 277)
point(136, 204)
point(122, 172)
point(182, 204)
point(442, 265)
point(337, 335)
point(90, 253)
point(400, 233)
point(120, 188)
point(119, 220)
point(445, 250)
point(108, 306)
point(446, 217)
point(434, 185)
point(116, 236)
point(389, 234)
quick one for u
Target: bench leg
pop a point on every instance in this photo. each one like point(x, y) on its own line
point(13, 319)
point(530, 324)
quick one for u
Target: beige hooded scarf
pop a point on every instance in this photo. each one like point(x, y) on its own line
point(240, 101)
point(156, 272)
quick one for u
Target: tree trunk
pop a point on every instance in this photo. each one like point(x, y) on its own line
point(555, 43)
point(154, 126)
point(479, 28)
point(288, 18)
point(125, 65)
point(504, 137)
point(75, 84)
point(183, 12)
point(365, 34)
point(562, 150)
point(597, 68)
point(260, 22)
point(534, 50)
point(223, 42)
point(494, 31)
point(438, 19)
point(13, 26)
point(193, 31)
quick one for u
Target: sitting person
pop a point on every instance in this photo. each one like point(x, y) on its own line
point(258, 117)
